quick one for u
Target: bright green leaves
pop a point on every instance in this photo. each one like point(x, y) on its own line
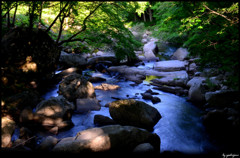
point(208, 29)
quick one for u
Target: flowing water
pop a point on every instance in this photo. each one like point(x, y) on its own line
point(180, 128)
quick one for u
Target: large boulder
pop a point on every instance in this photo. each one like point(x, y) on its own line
point(150, 49)
point(150, 46)
point(170, 65)
point(54, 112)
point(112, 138)
point(28, 59)
point(75, 87)
point(134, 113)
point(18, 102)
point(196, 93)
point(180, 54)
point(221, 98)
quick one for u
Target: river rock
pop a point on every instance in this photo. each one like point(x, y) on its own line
point(144, 148)
point(96, 79)
point(180, 54)
point(150, 47)
point(147, 96)
point(134, 113)
point(106, 86)
point(155, 100)
point(172, 81)
point(113, 138)
point(18, 102)
point(7, 129)
point(99, 59)
point(171, 89)
point(221, 98)
point(72, 60)
point(196, 80)
point(196, 93)
point(87, 104)
point(170, 65)
point(48, 143)
point(101, 120)
point(54, 112)
point(75, 87)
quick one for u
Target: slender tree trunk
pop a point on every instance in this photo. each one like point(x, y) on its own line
point(8, 20)
point(150, 14)
point(135, 17)
point(144, 17)
point(40, 13)
point(31, 15)
point(14, 16)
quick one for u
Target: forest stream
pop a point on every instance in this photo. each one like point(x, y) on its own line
point(180, 128)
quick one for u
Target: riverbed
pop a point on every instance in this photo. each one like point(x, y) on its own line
point(180, 128)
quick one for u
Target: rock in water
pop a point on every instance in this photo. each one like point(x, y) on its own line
point(180, 54)
point(134, 113)
point(75, 87)
point(114, 138)
point(170, 65)
point(87, 104)
point(28, 58)
point(106, 86)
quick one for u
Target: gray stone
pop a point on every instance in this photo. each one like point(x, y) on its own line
point(144, 148)
point(75, 87)
point(180, 54)
point(196, 93)
point(170, 65)
point(87, 104)
point(114, 138)
point(134, 113)
point(101, 120)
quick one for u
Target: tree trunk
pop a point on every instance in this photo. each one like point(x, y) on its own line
point(135, 17)
point(40, 13)
point(14, 16)
point(144, 17)
point(8, 20)
point(150, 14)
point(31, 15)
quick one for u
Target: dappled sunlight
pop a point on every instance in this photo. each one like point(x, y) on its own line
point(97, 139)
point(7, 128)
point(29, 65)
point(34, 84)
point(4, 80)
point(50, 110)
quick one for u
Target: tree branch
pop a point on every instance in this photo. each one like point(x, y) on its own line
point(57, 17)
point(70, 39)
point(214, 12)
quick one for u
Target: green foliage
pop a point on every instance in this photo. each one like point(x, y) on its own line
point(208, 29)
point(95, 24)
